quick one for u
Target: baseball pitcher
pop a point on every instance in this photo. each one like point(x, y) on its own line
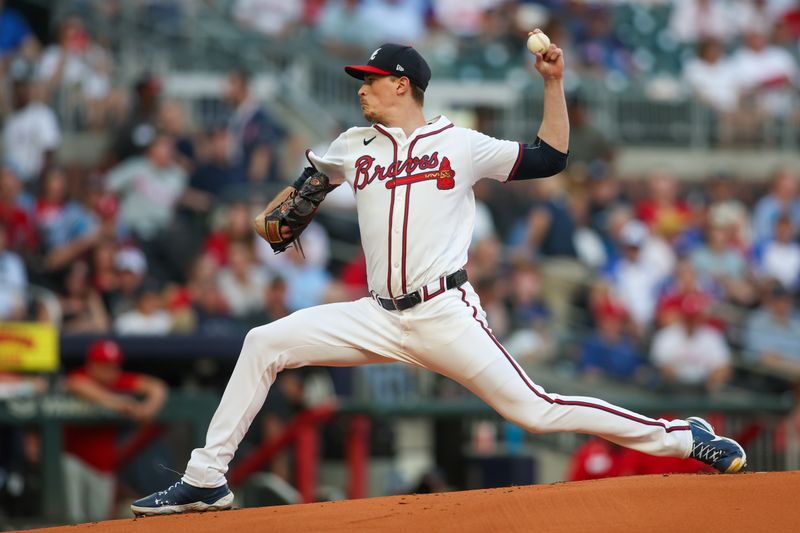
point(413, 180)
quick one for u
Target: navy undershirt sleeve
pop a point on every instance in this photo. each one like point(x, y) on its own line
point(539, 160)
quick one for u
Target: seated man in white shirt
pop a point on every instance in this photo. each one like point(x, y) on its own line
point(30, 135)
point(690, 353)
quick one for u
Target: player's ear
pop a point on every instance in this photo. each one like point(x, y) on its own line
point(403, 85)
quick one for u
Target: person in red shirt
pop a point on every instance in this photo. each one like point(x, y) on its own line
point(90, 451)
point(18, 221)
point(597, 459)
point(663, 210)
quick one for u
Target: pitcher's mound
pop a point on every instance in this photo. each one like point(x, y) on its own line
point(675, 503)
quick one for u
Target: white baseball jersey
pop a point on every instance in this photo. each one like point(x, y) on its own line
point(416, 209)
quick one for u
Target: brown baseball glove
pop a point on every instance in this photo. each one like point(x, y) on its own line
point(295, 212)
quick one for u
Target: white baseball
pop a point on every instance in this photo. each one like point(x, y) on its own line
point(538, 42)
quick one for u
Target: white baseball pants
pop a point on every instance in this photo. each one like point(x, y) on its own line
point(447, 334)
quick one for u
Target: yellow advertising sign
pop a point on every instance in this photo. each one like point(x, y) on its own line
point(28, 347)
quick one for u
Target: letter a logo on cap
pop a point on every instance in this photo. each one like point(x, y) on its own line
point(374, 54)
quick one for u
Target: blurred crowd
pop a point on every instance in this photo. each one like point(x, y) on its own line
point(644, 280)
point(661, 277)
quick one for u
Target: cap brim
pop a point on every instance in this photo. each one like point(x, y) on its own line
point(359, 71)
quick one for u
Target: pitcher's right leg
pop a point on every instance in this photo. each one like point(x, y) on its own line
point(343, 334)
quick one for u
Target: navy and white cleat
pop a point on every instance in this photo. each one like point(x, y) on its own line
point(184, 498)
point(722, 453)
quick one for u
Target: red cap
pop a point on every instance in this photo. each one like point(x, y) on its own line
point(104, 351)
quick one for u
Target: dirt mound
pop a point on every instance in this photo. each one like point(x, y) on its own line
point(743, 502)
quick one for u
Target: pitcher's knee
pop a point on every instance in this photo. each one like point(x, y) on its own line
point(526, 418)
point(264, 342)
point(258, 340)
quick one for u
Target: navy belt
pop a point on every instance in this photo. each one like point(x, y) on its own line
point(407, 301)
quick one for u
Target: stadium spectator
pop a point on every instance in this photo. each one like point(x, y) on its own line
point(484, 257)
point(307, 283)
point(105, 207)
point(720, 262)
point(605, 198)
point(211, 313)
point(690, 354)
point(150, 188)
point(130, 265)
point(16, 213)
point(490, 289)
point(589, 244)
point(164, 16)
point(634, 280)
point(587, 144)
point(242, 281)
point(76, 62)
point(334, 25)
point(767, 75)
point(353, 276)
point(171, 120)
point(724, 202)
point(663, 207)
point(272, 18)
point(140, 127)
point(30, 134)
point(783, 198)
point(203, 272)
point(610, 352)
point(105, 277)
point(682, 283)
point(550, 233)
point(761, 14)
point(13, 282)
point(527, 317)
point(779, 258)
point(694, 20)
point(254, 134)
point(90, 458)
point(149, 317)
point(772, 335)
point(600, 51)
point(67, 230)
point(463, 19)
point(16, 36)
point(82, 308)
point(236, 228)
point(215, 177)
point(273, 304)
point(394, 21)
point(713, 79)
point(598, 459)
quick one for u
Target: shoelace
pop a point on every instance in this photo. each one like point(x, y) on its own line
point(706, 453)
point(165, 491)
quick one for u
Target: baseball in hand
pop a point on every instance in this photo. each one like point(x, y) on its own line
point(538, 42)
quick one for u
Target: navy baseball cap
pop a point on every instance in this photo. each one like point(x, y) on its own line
point(394, 60)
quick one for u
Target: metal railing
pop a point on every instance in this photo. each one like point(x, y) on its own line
point(205, 37)
point(766, 424)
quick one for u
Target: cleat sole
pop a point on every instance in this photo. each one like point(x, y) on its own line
point(226, 502)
